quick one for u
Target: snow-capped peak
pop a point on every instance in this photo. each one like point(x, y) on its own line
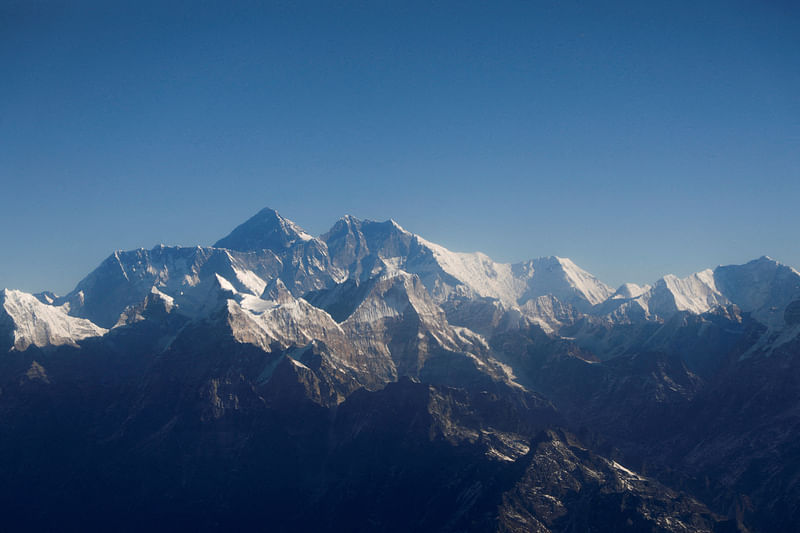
point(594, 290)
point(762, 287)
point(36, 323)
point(696, 293)
point(629, 290)
point(266, 230)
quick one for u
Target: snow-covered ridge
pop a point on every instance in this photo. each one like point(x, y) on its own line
point(630, 290)
point(268, 264)
point(185, 274)
point(447, 274)
point(762, 287)
point(40, 324)
point(277, 248)
point(478, 272)
point(560, 277)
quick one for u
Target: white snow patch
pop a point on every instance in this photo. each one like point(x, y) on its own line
point(39, 324)
point(225, 284)
point(479, 272)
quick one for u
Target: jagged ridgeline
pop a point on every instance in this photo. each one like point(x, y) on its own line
point(370, 380)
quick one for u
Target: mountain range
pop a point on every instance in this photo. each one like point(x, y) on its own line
point(368, 379)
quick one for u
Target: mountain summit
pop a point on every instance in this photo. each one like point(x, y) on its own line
point(266, 230)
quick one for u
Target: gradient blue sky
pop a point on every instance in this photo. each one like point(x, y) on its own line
point(637, 138)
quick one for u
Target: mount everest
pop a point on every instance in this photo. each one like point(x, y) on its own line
point(270, 262)
point(207, 359)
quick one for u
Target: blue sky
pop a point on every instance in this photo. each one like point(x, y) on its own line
point(637, 138)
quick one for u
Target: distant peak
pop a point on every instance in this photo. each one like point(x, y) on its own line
point(764, 263)
point(266, 230)
point(763, 260)
point(268, 214)
point(552, 260)
point(564, 261)
point(394, 223)
point(630, 290)
point(348, 224)
point(268, 211)
point(348, 221)
point(387, 225)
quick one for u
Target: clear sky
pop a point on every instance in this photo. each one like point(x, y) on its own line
point(637, 138)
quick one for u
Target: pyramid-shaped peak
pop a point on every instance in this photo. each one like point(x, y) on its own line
point(630, 290)
point(765, 259)
point(553, 262)
point(564, 279)
point(346, 224)
point(266, 230)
